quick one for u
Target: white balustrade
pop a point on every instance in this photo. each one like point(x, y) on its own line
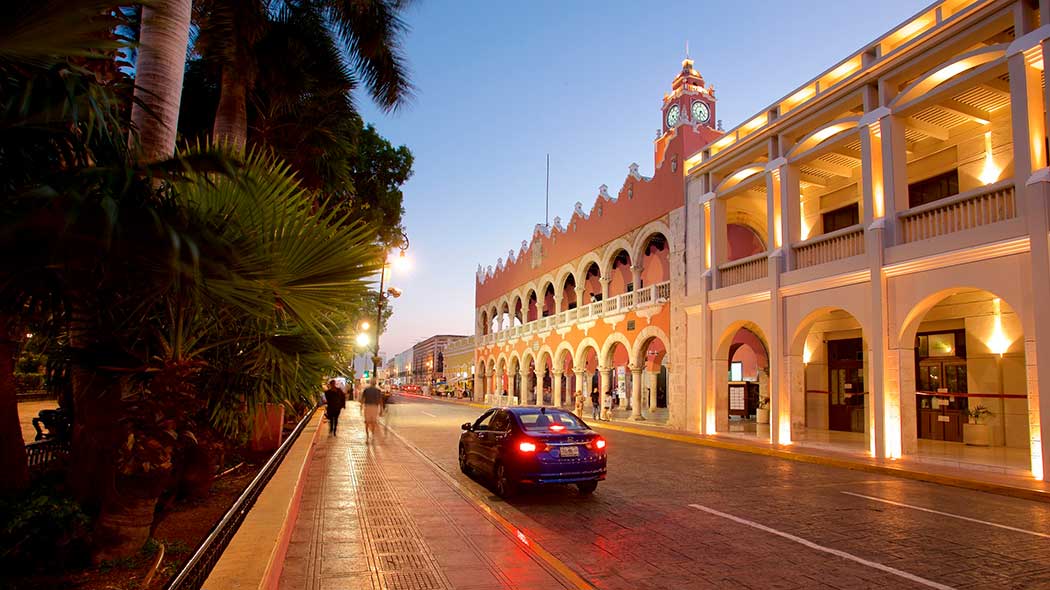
point(836, 245)
point(983, 206)
point(744, 270)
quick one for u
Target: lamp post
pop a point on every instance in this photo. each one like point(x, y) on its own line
point(389, 292)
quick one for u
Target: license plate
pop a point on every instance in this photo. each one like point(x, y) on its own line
point(573, 451)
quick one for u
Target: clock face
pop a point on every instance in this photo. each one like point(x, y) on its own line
point(672, 115)
point(701, 112)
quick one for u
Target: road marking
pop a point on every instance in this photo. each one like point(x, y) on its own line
point(428, 414)
point(836, 552)
point(967, 518)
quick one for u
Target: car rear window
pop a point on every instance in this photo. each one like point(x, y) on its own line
point(535, 420)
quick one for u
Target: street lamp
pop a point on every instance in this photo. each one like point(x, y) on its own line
point(400, 261)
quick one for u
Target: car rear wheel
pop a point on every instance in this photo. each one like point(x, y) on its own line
point(464, 466)
point(587, 487)
point(505, 488)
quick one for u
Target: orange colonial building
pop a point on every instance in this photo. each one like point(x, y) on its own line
point(861, 266)
point(587, 304)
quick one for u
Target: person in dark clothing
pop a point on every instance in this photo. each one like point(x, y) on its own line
point(335, 401)
point(595, 404)
point(372, 401)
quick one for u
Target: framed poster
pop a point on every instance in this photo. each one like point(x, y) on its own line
point(737, 398)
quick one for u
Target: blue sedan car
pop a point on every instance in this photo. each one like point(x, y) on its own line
point(529, 445)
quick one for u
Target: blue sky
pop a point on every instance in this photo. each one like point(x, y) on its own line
point(500, 85)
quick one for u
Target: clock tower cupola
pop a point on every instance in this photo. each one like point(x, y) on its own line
point(690, 102)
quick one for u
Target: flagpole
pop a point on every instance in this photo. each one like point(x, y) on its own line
point(547, 205)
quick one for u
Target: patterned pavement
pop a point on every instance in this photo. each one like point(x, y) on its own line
point(673, 515)
point(380, 517)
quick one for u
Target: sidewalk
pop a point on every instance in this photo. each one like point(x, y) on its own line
point(974, 479)
point(378, 517)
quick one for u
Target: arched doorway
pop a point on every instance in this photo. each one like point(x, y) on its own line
point(592, 284)
point(832, 402)
point(616, 360)
point(565, 379)
point(655, 261)
point(742, 382)
point(969, 400)
point(620, 274)
point(568, 293)
point(648, 360)
point(586, 368)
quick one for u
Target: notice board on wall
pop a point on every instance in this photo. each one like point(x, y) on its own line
point(737, 398)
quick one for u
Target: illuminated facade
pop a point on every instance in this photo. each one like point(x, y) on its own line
point(852, 267)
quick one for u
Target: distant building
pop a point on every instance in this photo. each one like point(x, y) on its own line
point(459, 363)
point(428, 359)
point(402, 374)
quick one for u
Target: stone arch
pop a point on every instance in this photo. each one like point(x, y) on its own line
point(605, 358)
point(910, 325)
point(739, 177)
point(562, 276)
point(649, 230)
point(830, 132)
point(559, 354)
point(592, 257)
point(946, 72)
point(611, 250)
point(725, 340)
point(585, 344)
point(642, 340)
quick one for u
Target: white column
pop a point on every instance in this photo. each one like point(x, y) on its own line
point(719, 247)
point(556, 388)
point(652, 380)
point(636, 274)
point(636, 393)
point(604, 380)
point(579, 295)
point(605, 287)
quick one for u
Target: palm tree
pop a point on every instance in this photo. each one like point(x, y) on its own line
point(368, 32)
point(163, 37)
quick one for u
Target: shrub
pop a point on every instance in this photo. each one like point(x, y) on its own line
point(42, 530)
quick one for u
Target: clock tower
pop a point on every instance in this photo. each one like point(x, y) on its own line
point(690, 102)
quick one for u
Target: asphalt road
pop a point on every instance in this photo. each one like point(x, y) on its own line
point(675, 515)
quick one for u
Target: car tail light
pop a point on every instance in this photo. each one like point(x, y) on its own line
point(557, 427)
point(527, 447)
point(599, 443)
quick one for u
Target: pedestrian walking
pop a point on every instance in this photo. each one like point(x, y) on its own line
point(334, 401)
point(595, 404)
point(372, 402)
point(607, 404)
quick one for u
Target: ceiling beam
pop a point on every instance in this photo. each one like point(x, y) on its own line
point(836, 169)
point(970, 112)
point(812, 179)
point(844, 151)
point(929, 129)
point(997, 85)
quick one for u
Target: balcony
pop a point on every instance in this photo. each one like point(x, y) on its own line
point(657, 294)
point(744, 270)
point(829, 247)
point(984, 206)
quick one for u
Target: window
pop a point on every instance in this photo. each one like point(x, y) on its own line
point(485, 420)
point(841, 218)
point(942, 344)
point(535, 420)
point(736, 371)
point(933, 189)
point(501, 423)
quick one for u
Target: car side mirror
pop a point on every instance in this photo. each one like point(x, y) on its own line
point(465, 426)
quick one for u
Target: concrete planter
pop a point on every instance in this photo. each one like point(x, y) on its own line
point(762, 416)
point(977, 435)
point(268, 428)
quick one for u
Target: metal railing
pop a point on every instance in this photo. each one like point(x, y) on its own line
point(744, 270)
point(836, 245)
point(41, 454)
point(983, 206)
point(199, 566)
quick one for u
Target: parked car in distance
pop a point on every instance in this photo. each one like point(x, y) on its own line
point(533, 446)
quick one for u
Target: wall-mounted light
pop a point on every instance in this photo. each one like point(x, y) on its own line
point(807, 354)
point(998, 343)
point(990, 171)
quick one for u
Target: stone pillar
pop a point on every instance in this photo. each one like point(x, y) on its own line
point(636, 274)
point(653, 380)
point(636, 393)
point(1037, 357)
point(604, 380)
point(719, 245)
point(579, 296)
point(605, 287)
point(556, 388)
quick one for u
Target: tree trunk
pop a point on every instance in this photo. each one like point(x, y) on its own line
point(96, 433)
point(12, 446)
point(231, 117)
point(125, 522)
point(163, 37)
